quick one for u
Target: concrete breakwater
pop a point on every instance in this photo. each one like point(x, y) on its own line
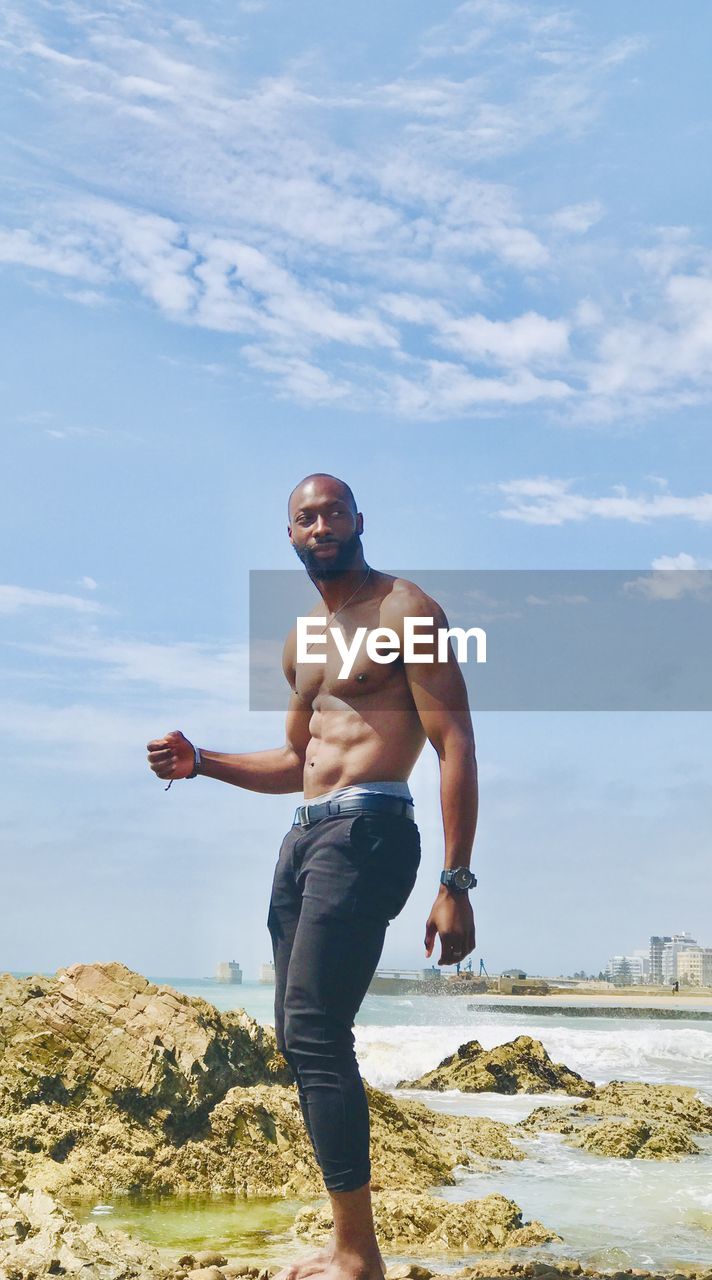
point(595, 1011)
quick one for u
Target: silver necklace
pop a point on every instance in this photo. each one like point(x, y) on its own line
point(353, 593)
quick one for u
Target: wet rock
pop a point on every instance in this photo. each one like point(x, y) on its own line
point(406, 1220)
point(206, 1273)
point(633, 1138)
point(39, 1238)
point(519, 1066)
point(209, 1258)
point(630, 1121)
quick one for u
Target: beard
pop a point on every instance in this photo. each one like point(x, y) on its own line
point(341, 563)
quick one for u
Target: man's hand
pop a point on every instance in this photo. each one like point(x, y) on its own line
point(451, 918)
point(172, 756)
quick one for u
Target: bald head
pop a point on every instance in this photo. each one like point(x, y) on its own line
point(320, 482)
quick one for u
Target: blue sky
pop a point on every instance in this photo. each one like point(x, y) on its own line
point(458, 254)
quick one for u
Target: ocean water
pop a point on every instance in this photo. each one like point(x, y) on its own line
point(610, 1213)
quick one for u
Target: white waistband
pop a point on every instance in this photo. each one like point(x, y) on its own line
point(358, 789)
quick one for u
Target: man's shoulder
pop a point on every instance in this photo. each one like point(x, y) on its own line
point(407, 599)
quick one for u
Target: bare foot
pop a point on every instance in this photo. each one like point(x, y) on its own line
point(330, 1264)
point(316, 1262)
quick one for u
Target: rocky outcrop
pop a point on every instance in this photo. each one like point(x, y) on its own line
point(519, 1066)
point(406, 1221)
point(38, 1238)
point(102, 1031)
point(413, 1147)
point(630, 1120)
point(111, 1084)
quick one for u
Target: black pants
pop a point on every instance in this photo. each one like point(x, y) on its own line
point(336, 886)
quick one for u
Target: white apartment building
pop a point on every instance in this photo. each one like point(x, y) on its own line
point(672, 950)
point(694, 966)
point(664, 953)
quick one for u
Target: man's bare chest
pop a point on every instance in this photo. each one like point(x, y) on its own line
point(340, 666)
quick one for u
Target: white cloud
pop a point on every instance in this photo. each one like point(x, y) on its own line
point(209, 670)
point(681, 561)
point(86, 297)
point(442, 387)
point(44, 252)
point(577, 218)
point(234, 204)
point(544, 500)
point(672, 578)
point(14, 599)
point(674, 350)
point(526, 338)
point(556, 598)
point(520, 341)
point(302, 380)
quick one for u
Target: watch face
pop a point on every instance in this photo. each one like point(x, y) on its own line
point(463, 878)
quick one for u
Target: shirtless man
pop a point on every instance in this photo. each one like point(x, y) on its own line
point(348, 865)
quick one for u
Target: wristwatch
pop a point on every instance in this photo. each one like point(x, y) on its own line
point(458, 878)
point(196, 763)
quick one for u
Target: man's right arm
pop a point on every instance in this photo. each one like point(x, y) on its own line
point(275, 772)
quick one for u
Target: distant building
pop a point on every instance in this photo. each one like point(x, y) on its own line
point(624, 970)
point(405, 981)
point(522, 986)
point(657, 946)
point(664, 953)
point(694, 966)
point(266, 974)
point(514, 973)
point(228, 971)
point(679, 942)
point(643, 954)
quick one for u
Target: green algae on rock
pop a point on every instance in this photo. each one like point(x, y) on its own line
point(630, 1121)
point(407, 1220)
point(519, 1066)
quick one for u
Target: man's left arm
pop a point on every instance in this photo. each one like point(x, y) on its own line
point(440, 696)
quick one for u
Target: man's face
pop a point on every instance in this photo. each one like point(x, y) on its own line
point(324, 529)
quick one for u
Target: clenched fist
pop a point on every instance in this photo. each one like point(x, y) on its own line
point(172, 756)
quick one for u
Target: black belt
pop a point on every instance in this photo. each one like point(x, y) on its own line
point(308, 813)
